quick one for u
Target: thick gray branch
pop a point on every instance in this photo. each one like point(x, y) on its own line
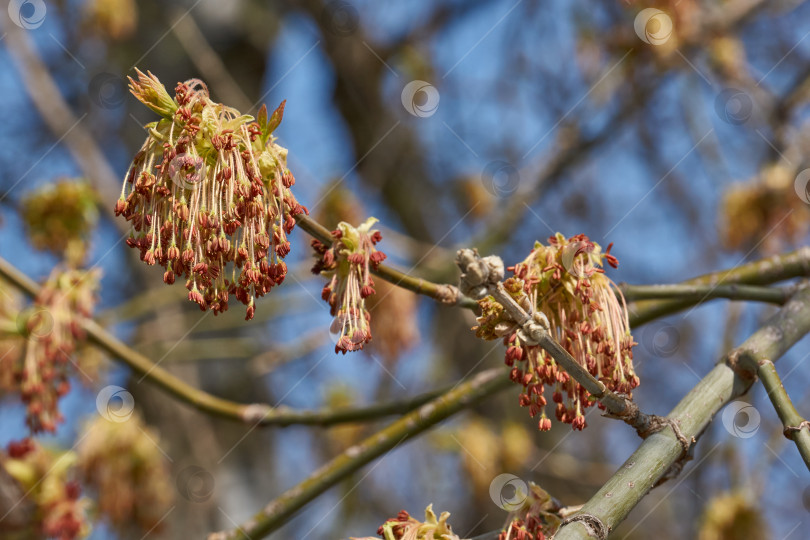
point(661, 451)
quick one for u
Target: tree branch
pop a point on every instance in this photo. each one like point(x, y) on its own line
point(257, 413)
point(409, 426)
point(57, 115)
point(699, 293)
point(661, 451)
point(797, 429)
point(762, 272)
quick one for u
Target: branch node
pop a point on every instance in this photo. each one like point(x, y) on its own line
point(740, 363)
point(533, 330)
point(657, 423)
point(790, 430)
point(448, 294)
point(477, 272)
point(593, 525)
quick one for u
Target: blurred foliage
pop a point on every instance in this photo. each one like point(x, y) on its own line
point(733, 516)
point(60, 216)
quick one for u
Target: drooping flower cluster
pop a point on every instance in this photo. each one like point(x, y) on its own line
point(394, 324)
point(536, 518)
point(122, 463)
point(52, 332)
point(209, 187)
point(405, 527)
point(566, 282)
point(349, 261)
point(47, 484)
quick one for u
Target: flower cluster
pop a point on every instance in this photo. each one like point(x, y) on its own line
point(47, 482)
point(110, 19)
point(122, 462)
point(405, 527)
point(733, 514)
point(209, 187)
point(394, 322)
point(770, 203)
point(52, 332)
point(537, 518)
point(349, 261)
point(566, 282)
point(59, 218)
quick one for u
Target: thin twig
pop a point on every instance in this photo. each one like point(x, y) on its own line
point(255, 414)
point(797, 429)
point(409, 426)
point(699, 293)
point(761, 272)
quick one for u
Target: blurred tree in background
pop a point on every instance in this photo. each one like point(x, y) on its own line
point(674, 130)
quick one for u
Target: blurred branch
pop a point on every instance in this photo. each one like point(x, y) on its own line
point(60, 119)
point(572, 148)
point(255, 414)
point(409, 426)
point(209, 63)
point(699, 293)
point(762, 272)
point(797, 429)
point(662, 452)
point(267, 361)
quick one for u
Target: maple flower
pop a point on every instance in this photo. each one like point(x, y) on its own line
point(208, 196)
point(46, 480)
point(349, 261)
point(537, 517)
point(52, 332)
point(394, 324)
point(405, 527)
point(566, 282)
point(123, 463)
